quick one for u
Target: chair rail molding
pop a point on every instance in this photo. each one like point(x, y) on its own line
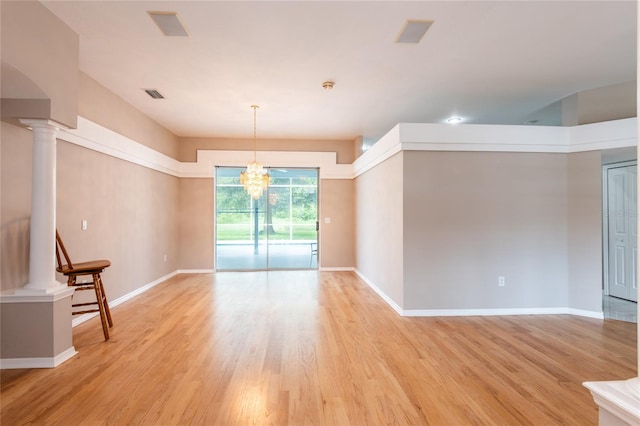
point(402, 137)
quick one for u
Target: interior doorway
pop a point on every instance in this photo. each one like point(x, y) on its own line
point(620, 228)
point(277, 231)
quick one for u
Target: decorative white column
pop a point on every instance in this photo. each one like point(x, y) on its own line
point(43, 304)
point(42, 276)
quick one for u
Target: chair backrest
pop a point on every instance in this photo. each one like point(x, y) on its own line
point(60, 247)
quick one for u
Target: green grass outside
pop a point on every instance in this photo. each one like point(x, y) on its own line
point(239, 232)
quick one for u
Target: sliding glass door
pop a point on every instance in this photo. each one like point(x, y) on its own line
point(277, 231)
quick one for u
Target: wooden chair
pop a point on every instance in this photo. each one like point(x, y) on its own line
point(93, 268)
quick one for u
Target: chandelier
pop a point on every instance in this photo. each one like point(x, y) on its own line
point(255, 179)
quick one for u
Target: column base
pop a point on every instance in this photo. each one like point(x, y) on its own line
point(618, 401)
point(43, 362)
point(35, 327)
point(55, 291)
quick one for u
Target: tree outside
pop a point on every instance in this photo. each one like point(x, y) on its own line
point(286, 211)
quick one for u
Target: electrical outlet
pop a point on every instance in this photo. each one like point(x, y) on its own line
point(501, 281)
point(83, 225)
point(165, 257)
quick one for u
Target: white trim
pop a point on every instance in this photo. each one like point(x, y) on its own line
point(19, 363)
point(484, 137)
point(49, 295)
point(93, 136)
point(112, 304)
point(82, 318)
point(380, 293)
point(403, 136)
point(499, 312)
point(499, 138)
point(476, 312)
point(337, 269)
point(583, 313)
point(195, 271)
point(481, 312)
point(605, 135)
point(42, 122)
point(325, 162)
point(385, 148)
point(619, 398)
point(101, 139)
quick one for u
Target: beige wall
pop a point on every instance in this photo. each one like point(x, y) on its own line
point(607, 103)
point(132, 211)
point(467, 218)
point(16, 145)
point(471, 217)
point(132, 215)
point(337, 239)
point(379, 227)
point(344, 149)
point(195, 217)
point(102, 106)
point(614, 102)
point(584, 218)
point(43, 50)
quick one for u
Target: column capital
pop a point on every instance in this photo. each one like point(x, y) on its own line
point(42, 123)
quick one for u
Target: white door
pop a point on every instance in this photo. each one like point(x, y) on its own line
point(623, 232)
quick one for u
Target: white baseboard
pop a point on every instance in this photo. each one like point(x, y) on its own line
point(46, 362)
point(476, 312)
point(583, 313)
point(498, 311)
point(402, 312)
point(337, 269)
point(113, 303)
point(380, 293)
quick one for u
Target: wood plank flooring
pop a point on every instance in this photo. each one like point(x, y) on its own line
point(316, 348)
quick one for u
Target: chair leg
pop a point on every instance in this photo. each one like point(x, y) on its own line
point(100, 300)
point(105, 302)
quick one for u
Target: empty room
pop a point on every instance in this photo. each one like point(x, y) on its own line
point(318, 212)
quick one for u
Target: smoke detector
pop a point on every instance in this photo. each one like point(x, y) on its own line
point(327, 85)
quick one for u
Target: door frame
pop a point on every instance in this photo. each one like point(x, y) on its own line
point(215, 219)
point(605, 219)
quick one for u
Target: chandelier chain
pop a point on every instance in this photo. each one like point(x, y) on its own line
point(255, 143)
point(255, 178)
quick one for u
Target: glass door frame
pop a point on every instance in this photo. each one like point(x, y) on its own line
point(284, 252)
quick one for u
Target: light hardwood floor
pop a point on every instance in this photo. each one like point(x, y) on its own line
point(294, 348)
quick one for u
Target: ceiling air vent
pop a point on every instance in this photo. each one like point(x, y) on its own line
point(413, 31)
point(169, 24)
point(154, 93)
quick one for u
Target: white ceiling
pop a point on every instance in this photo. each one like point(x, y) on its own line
point(495, 62)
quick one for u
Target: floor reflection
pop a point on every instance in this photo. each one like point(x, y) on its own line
point(620, 309)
